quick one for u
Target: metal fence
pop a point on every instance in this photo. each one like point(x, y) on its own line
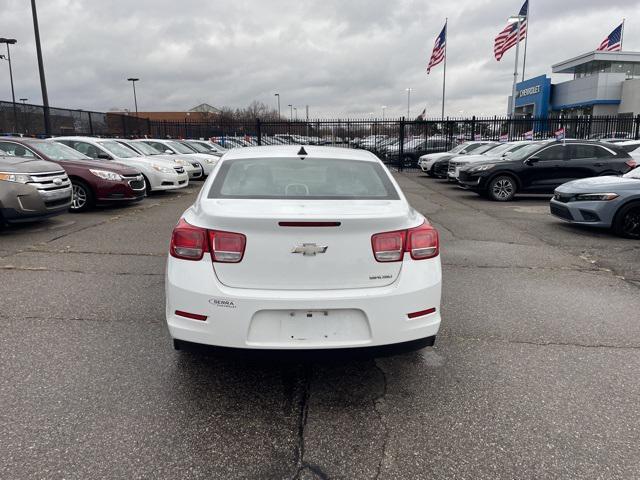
point(397, 141)
point(28, 119)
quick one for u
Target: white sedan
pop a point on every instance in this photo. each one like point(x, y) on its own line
point(297, 248)
point(171, 147)
point(158, 175)
point(194, 172)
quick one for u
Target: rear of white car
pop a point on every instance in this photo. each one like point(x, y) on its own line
point(320, 250)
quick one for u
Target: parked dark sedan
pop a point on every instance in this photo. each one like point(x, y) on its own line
point(543, 166)
point(94, 182)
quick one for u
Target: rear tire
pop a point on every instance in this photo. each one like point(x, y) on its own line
point(177, 344)
point(82, 197)
point(627, 221)
point(502, 188)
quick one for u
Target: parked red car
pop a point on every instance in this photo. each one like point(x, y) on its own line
point(95, 182)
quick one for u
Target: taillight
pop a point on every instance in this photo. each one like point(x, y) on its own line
point(188, 242)
point(632, 163)
point(227, 247)
point(191, 243)
point(389, 246)
point(421, 242)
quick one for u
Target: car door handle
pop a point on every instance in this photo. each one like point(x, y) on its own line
point(598, 164)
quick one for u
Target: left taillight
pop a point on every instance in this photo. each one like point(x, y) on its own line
point(631, 163)
point(191, 243)
point(188, 242)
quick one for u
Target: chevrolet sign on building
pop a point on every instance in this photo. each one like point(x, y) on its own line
point(604, 83)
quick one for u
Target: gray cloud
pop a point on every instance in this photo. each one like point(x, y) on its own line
point(341, 58)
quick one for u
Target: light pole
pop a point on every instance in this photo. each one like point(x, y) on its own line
point(11, 41)
point(135, 99)
point(278, 95)
point(290, 111)
point(384, 107)
point(43, 83)
point(409, 103)
point(295, 109)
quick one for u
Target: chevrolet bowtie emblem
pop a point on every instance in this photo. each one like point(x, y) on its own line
point(309, 249)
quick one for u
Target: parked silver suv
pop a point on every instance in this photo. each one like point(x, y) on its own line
point(31, 189)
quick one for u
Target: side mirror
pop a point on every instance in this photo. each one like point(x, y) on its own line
point(532, 160)
point(103, 156)
point(168, 151)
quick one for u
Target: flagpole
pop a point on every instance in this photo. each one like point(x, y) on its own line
point(444, 70)
point(526, 40)
point(515, 73)
point(622, 34)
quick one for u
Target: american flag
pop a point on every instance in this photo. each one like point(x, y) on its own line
point(613, 43)
point(439, 50)
point(507, 38)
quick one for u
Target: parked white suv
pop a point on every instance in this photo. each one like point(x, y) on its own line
point(158, 174)
point(500, 151)
point(425, 162)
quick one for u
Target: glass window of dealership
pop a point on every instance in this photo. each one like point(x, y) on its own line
point(603, 83)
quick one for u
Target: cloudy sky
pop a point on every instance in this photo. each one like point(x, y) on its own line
point(342, 58)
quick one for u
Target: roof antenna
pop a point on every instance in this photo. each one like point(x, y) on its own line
point(302, 153)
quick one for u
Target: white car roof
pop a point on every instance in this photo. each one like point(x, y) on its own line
point(630, 142)
point(313, 151)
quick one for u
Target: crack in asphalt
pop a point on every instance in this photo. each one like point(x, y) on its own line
point(303, 413)
point(383, 424)
point(539, 343)
point(54, 270)
point(90, 252)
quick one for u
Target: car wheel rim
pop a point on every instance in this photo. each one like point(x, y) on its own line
point(503, 188)
point(631, 225)
point(79, 197)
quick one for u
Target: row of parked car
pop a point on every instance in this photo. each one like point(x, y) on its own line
point(41, 178)
point(593, 183)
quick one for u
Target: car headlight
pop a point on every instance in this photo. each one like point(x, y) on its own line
point(595, 197)
point(212, 161)
point(163, 169)
point(15, 177)
point(106, 175)
point(482, 168)
point(180, 162)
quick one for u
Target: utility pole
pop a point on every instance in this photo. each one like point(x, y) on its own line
point(43, 83)
point(278, 95)
point(135, 99)
point(409, 103)
point(11, 41)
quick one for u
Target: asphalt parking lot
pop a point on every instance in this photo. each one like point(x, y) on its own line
point(535, 373)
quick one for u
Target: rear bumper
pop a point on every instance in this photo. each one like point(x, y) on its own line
point(301, 319)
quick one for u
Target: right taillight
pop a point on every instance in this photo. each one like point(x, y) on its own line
point(226, 247)
point(420, 242)
point(423, 242)
point(191, 243)
point(631, 163)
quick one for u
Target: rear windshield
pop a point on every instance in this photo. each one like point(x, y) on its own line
point(292, 178)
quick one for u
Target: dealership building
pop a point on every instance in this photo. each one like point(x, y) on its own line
point(604, 83)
